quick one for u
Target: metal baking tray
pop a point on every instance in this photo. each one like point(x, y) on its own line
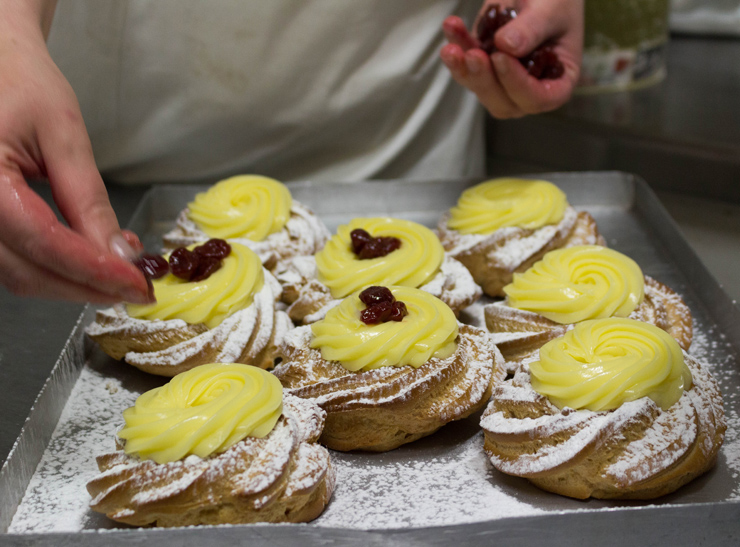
point(437, 491)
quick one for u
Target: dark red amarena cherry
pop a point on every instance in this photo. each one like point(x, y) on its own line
point(494, 18)
point(399, 311)
point(543, 63)
point(366, 246)
point(214, 248)
point(381, 305)
point(183, 263)
point(375, 295)
point(152, 266)
point(379, 312)
point(207, 265)
point(201, 262)
point(360, 238)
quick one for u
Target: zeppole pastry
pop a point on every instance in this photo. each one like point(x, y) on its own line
point(218, 444)
point(575, 284)
point(505, 225)
point(389, 366)
point(228, 316)
point(612, 409)
point(257, 212)
point(374, 251)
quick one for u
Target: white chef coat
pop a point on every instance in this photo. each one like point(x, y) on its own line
point(342, 90)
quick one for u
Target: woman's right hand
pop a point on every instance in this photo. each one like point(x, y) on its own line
point(42, 134)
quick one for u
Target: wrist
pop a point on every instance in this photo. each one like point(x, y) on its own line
point(27, 21)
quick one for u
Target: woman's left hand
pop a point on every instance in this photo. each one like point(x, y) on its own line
point(500, 81)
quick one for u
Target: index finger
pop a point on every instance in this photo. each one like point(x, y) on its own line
point(76, 184)
point(456, 32)
point(31, 230)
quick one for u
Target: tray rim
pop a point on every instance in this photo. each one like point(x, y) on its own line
point(76, 342)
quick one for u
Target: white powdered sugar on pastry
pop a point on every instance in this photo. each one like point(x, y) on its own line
point(492, 259)
point(637, 450)
point(457, 482)
point(277, 478)
point(167, 347)
point(381, 408)
point(303, 234)
point(517, 332)
point(310, 299)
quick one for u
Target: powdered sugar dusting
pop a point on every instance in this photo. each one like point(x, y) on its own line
point(510, 246)
point(443, 479)
point(453, 284)
point(303, 234)
point(456, 486)
point(711, 348)
point(56, 499)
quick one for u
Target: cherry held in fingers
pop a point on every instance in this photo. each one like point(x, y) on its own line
point(543, 63)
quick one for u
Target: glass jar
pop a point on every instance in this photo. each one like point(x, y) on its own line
point(625, 44)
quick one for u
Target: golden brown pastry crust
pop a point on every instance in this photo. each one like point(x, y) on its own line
point(518, 333)
point(637, 451)
point(309, 299)
point(381, 409)
point(304, 234)
point(493, 259)
point(284, 477)
point(166, 348)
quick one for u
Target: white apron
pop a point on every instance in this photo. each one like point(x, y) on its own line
point(340, 90)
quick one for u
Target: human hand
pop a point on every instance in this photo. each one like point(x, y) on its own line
point(42, 134)
point(499, 81)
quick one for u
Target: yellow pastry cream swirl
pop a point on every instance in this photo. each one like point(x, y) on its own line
point(245, 206)
point(506, 202)
point(602, 363)
point(429, 330)
point(578, 283)
point(201, 412)
point(228, 290)
point(415, 263)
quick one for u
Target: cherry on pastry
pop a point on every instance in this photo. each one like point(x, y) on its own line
point(183, 263)
point(214, 248)
point(366, 246)
point(382, 306)
point(207, 265)
point(375, 295)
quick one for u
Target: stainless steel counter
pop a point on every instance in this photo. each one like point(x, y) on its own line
point(682, 135)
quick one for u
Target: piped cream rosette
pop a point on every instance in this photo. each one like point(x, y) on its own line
point(255, 211)
point(391, 383)
point(577, 284)
point(229, 317)
point(203, 411)
point(612, 409)
point(505, 225)
point(313, 285)
point(217, 444)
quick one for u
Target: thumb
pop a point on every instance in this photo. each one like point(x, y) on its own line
point(529, 29)
point(77, 186)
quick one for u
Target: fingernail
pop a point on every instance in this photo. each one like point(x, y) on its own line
point(513, 38)
point(119, 246)
point(135, 297)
